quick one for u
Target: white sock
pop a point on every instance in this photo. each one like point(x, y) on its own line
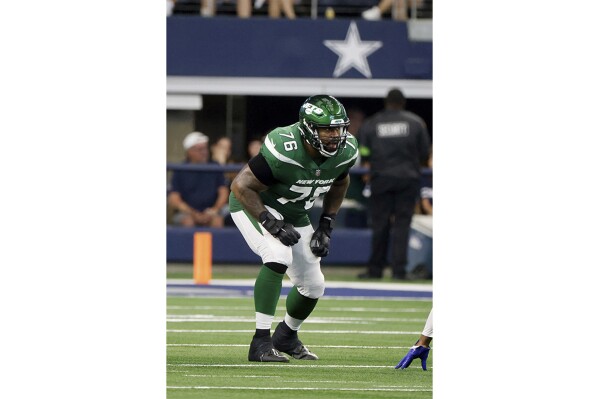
point(263, 321)
point(294, 324)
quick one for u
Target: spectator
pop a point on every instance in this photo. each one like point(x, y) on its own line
point(221, 154)
point(253, 147)
point(421, 348)
point(221, 150)
point(425, 200)
point(197, 197)
point(276, 6)
point(398, 8)
point(356, 215)
point(394, 143)
point(207, 8)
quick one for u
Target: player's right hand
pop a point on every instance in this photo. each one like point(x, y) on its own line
point(415, 352)
point(279, 229)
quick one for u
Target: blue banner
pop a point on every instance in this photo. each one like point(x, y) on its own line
point(301, 48)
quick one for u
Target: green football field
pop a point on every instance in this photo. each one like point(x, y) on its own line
point(359, 342)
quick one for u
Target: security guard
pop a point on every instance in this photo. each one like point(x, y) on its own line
point(394, 143)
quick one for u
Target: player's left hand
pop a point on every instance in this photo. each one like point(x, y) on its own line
point(321, 239)
point(415, 352)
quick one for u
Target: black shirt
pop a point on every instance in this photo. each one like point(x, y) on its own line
point(395, 142)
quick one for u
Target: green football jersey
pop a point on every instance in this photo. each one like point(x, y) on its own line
point(300, 180)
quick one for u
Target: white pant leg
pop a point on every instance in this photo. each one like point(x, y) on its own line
point(267, 247)
point(428, 327)
point(305, 272)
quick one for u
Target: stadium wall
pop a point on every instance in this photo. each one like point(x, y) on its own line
point(348, 247)
point(263, 56)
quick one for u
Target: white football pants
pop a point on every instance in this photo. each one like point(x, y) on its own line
point(303, 267)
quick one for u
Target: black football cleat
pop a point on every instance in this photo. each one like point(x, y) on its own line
point(261, 350)
point(285, 340)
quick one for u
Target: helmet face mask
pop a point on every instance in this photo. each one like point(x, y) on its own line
point(323, 111)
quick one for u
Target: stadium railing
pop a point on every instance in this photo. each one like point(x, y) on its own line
point(237, 167)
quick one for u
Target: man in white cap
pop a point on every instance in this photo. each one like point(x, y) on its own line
point(197, 197)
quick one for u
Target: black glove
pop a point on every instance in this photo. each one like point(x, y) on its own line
point(278, 228)
point(321, 239)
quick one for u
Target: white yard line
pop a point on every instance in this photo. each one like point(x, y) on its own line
point(258, 364)
point(226, 294)
point(223, 319)
point(417, 333)
point(396, 389)
point(236, 376)
point(332, 319)
point(311, 346)
point(322, 307)
point(332, 284)
point(339, 382)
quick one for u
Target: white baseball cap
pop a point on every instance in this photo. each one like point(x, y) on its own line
point(194, 138)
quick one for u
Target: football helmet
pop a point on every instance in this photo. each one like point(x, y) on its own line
point(323, 111)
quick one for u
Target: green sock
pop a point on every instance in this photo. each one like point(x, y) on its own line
point(267, 290)
point(299, 306)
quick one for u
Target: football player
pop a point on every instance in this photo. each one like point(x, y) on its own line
point(269, 202)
